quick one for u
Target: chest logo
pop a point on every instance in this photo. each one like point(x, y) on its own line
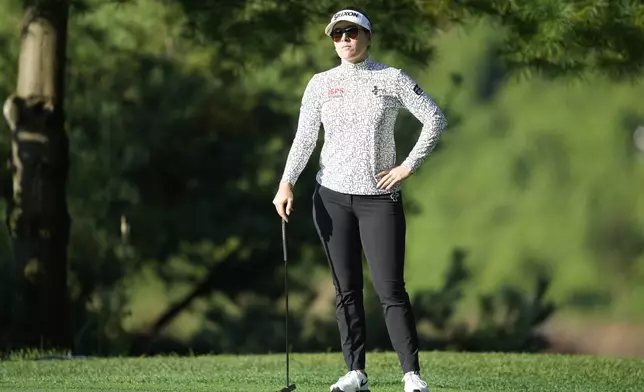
point(376, 90)
point(335, 92)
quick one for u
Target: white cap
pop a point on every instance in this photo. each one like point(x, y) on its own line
point(349, 16)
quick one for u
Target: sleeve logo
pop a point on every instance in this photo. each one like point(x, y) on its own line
point(418, 90)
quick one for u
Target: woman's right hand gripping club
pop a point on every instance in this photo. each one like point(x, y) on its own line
point(283, 200)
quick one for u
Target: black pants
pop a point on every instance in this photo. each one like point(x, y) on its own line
point(348, 224)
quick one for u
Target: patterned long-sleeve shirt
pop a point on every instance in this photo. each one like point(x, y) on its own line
point(357, 105)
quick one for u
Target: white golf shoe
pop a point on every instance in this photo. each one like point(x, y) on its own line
point(413, 383)
point(353, 381)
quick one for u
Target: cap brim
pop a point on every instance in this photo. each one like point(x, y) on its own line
point(329, 27)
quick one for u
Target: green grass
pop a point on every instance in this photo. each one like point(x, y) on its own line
point(313, 372)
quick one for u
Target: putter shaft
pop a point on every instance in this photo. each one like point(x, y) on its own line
point(291, 387)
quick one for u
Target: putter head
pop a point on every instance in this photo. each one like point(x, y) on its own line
point(288, 389)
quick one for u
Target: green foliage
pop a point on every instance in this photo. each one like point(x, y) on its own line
point(180, 126)
point(536, 170)
point(255, 31)
point(508, 319)
point(557, 37)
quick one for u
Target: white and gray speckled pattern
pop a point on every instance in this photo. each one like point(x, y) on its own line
point(357, 105)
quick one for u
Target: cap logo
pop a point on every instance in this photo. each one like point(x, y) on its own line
point(347, 13)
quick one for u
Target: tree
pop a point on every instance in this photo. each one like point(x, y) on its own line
point(558, 38)
point(552, 37)
point(38, 218)
point(555, 37)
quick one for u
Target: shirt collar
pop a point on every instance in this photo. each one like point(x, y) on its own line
point(365, 64)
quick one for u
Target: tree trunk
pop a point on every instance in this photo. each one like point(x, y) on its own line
point(38, 219)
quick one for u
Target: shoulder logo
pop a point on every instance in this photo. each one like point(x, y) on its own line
point(418, 90)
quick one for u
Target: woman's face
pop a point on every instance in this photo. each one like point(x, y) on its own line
point(350, 49)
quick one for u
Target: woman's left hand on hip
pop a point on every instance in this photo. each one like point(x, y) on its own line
point(389, 178)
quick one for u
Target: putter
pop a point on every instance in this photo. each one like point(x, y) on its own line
point(288, 387)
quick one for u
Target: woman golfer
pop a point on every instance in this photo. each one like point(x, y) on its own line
point(357, 202)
